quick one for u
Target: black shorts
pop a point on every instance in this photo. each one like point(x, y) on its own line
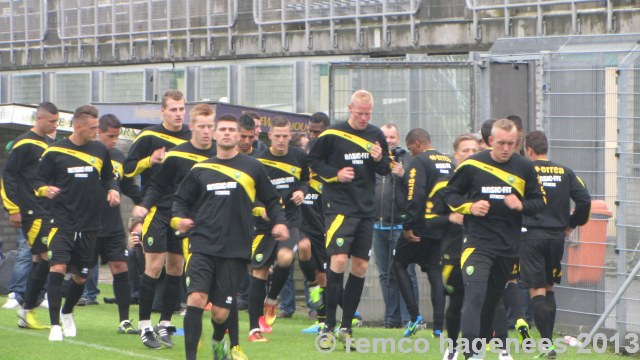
point(318, 250)
point(349, 235)
point(452, 277)
point(75, 249)
point(37, 233)
point(480, 266)
point(264, 248)
point(425, 253)
point(218, 277)
point(157, 235)
point(112, 248)
point(540, 261)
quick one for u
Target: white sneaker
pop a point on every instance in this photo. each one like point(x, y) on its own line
point(11, 303)
point(504, 355)
point(68, 325)
point(450, 355)
point(45, 302)
point(56, 333)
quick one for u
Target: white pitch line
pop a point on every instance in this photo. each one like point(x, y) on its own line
point(82, 343)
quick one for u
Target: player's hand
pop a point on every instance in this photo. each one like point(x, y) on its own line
point(15, 220)
point(280, 232)
point(376, 152)
point(397, 169)
point(135, 239)
point(264, 215)
point(456, 218)
point(113, 198)
point(297, 197)
point(139, 212)
point(568, 231)
point(410, 235)
point(346, 174)
point(513, 202)
point(480, 208)
point(158, 156)
point(52, 192)
point(185, 225)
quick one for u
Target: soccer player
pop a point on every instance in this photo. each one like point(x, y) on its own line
point(493, 189)
point(75, 173)
point(144, 159)
point(543, 241)
point(248, 136)
point(215, 201)
point(464, 146)
point(289, 174)
point(420, 244)
point(112, 239)
point(26, 210)
point(162, 242)
point(257, 144)
point(347, 156)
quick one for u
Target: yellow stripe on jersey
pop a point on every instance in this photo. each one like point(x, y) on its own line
point(465, 255)
point(287, 168)
point(35, 142)
point(117, 169)
point(34, 231)
point(8, 204)
point(141, 166)
point(316, 185)
point(244, 179)
point(464, 209)
point(446, 273)
point(147, 220)
point(330, 180)
point(172, 139)
point(363, 143)
point(41, 191)
point(333, 228)
point(256, 241)
point(185, 155)
point(510, 179)
point(89, 159)
point(438, 186)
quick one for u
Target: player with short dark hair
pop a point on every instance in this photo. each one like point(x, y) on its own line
point(26, 210)
point(75, 173)
point(543, 241)
point(493, 189)
point(318, 122)
point(214, 202)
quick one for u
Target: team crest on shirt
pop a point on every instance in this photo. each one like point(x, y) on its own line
point(188, 280)
point(49, 254)
point(150, 240)
point(259, 257)
point(237, 175)
point(293, 170)
point(93, 160)
point(340, 241)
point(369, 146)
point(44, 240)
point(30, 212)
point(511, 179)
point(470, 270)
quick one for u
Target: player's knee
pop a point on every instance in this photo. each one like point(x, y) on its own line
point(285, 257)
point(197, 299)
point(338, 263)
point(359, 266)
point(118, 267)
point(219, 314)
point(260, 273)
point(304, 249)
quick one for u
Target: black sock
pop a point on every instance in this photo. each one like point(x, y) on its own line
point(192, 331)
point(541, 315)
point(147, 292)
point(170, 298)
point(35, 283)
point(512, 296)
point(278, 279)
point(257, 293)
point(333, 296)
point(309, 270)
point(54, 284)
point(232, 324)
point(322, 312)
point(351, 299)
point(218, 330)
point(73, 295)
point(122, 294)
point(551, 308)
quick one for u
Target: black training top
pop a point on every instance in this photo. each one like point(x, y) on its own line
point(312, 216)
point(221, 194)
point(18, 176)
point(83, 174)
point(481, 178)
point(342, 146)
